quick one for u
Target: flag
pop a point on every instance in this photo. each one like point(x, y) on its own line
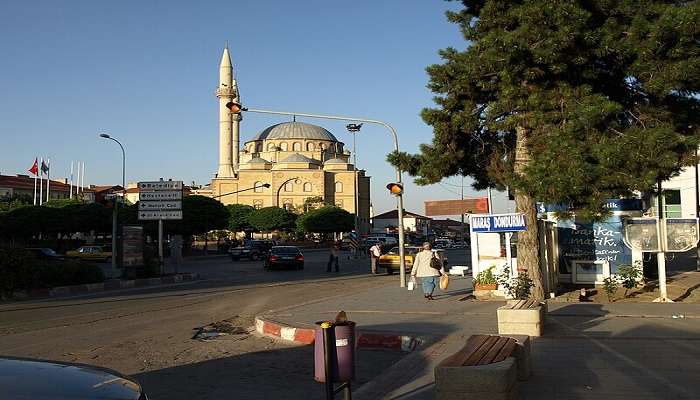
point(44, 168)
point(35, 168)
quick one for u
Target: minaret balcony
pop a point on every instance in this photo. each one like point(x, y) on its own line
point(226, 92)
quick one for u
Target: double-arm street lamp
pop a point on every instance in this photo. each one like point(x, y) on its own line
point(116, 201)
point(283, 184)
point(237, 109)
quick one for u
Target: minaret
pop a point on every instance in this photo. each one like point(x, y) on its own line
point(235, 128)
point(226, 93)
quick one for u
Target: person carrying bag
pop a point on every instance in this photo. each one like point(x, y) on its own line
point(428, 268)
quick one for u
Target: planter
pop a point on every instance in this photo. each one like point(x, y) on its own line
point(486, 287)
point(487, 292)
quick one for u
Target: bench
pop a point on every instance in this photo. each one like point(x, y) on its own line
point(521, 317)
point(484, 368)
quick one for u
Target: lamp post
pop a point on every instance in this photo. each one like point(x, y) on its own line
point(295, 179)
point(265, 185)
point(236, 108)
point(116, 201)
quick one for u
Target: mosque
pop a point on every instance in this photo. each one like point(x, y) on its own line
point(297, 160)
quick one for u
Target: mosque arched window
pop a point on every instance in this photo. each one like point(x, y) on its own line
point(289, 187)
point(258, 147)
point(339, 147)
point(308, 187)
point(270, 147)
point(296, 146)
point(310, 147)
point(258, 187)
point(283, 146)
point(339, 187)
point(323, 146)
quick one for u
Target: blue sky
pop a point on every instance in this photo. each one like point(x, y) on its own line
point(145, 72)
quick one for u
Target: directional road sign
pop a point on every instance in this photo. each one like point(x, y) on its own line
point(161, 195)
point(160, 185)
point(159, 205)
point(151, 215)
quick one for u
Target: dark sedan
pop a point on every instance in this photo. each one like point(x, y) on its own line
point(24, 378)
point(285, 257)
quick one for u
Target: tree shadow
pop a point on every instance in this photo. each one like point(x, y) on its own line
point(586, 353)
point(284, 373)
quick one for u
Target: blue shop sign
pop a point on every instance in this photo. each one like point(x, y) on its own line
point(498, 223)
point(610, 204)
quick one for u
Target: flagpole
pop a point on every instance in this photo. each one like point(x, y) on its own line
point(70, 195)
point(48, 178)
point(35, 173)
point(41, 182)
point(82, 177)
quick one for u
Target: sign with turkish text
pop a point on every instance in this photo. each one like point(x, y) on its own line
point(681, 234)
point(132, 246)
point(159, 185)
point(642, 234)
point(497, 223)
point(457, 207)
point(155, 215)
point(164, 195)
point(159, 205)
point(160, 200)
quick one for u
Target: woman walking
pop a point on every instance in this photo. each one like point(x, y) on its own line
point(427, 270)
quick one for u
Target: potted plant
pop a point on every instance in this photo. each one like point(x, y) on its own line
point(486, 280)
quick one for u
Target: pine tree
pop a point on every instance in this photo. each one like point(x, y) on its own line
point(564, 102)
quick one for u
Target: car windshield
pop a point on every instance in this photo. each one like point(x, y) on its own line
point(285, 250)
point(407, 250)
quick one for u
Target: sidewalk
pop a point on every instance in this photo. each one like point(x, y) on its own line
point(611, 351)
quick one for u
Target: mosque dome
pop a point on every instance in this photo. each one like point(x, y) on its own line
point(296, 157)
point(295, 130)
point(335, 161)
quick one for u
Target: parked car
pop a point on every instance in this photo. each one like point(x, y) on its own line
point(442, 244)
point(90, 253)
point(460, 244)
point(382, 240)
point(284, 257)
point(253, 250)
point(26, 378)
point(390, 260)
point(45, 253)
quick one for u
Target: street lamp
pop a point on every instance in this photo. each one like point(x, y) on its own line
point(116, 201)
point(265, 185)
point(295, 179)
point(354, 128)
point(237, 108)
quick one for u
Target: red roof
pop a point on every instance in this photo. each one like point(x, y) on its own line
point(394, 214)
point(27, 182)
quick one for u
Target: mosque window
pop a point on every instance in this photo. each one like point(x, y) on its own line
point(258, 147)
point(270, 147)
point(307, 187)
point(288, 187)
point(283, 146)
point(257, 204)
point(288, 204)
point(258, 187)
point(310, 147)
point(339, 187)
point(339, 147)
point(323, 146)
point(296, 146)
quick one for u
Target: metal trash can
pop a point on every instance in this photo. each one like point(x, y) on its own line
point(343, 340)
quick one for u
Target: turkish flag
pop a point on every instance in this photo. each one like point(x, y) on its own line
point(35, 168)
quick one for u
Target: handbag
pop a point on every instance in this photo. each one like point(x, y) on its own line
point(435, 263)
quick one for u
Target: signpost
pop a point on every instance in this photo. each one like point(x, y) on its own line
point(498, 223)
point(160, 200)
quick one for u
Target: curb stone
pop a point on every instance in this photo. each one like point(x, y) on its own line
point(365, 339)
point(108, 285)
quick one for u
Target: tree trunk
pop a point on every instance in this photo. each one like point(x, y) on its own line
point(528, 240)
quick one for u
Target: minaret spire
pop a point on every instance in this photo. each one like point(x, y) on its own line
point(226, 93)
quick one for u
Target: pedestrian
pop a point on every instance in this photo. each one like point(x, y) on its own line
point(374, 253)
point(428, 267)
point(333, 258)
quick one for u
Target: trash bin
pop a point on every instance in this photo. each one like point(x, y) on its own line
point(343, 340)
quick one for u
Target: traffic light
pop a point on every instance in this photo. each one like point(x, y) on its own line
point(395, 188)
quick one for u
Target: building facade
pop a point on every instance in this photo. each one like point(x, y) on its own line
point(412, 222)
point(285, 165)
point(23, 185)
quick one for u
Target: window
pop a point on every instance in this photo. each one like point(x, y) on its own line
point(672, 203)
point(283, 146)
point(258, 187)
point(258, 147)
point(288, 204)
point(270, 147)
point(339, 147)
point(296, 146)
point(257, 204)
point(323, 146)
point(289, 187)
point(310, 147)
point(339, 187)
point(308, 187)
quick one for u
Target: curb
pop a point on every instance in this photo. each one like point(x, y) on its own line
point(108, 285)
point(366, 339)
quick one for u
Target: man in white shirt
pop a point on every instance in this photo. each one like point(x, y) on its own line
point(374, 253)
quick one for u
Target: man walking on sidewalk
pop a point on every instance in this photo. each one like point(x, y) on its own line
point(374, 253)
point(333, 258)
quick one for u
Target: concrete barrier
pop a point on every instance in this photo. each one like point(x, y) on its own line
point(497, 381)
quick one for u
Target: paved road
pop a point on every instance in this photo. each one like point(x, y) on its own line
point(148, 332)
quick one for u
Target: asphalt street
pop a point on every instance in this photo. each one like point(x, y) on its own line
point(148, 332)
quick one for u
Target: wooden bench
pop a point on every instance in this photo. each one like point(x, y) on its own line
point(521, 317)
point(484, 368)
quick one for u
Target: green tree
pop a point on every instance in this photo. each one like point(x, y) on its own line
point(200, 215)
point(564, 101)
point(238, 217)
point(328, 219)
point(271, 218)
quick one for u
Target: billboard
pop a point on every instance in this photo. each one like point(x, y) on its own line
point(436, 208)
